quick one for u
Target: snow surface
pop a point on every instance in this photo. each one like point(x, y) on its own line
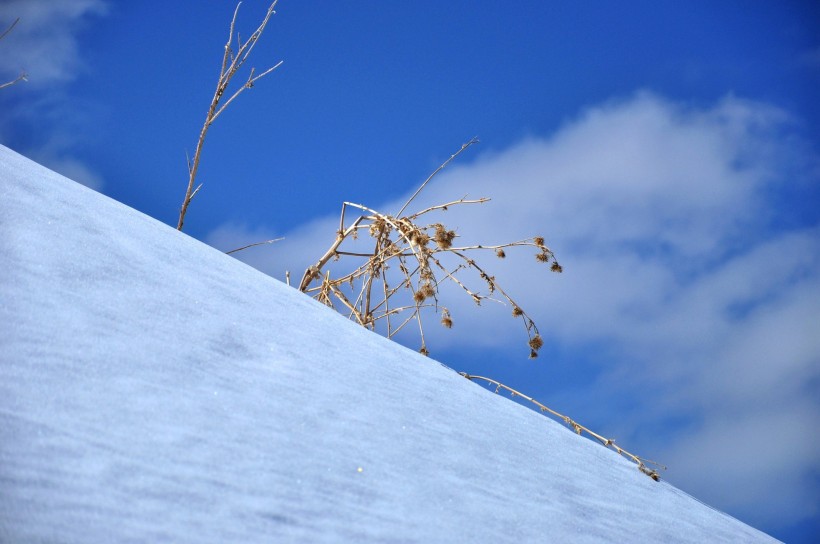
point(153, 389)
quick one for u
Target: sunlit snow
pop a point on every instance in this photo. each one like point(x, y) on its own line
point(153, 389)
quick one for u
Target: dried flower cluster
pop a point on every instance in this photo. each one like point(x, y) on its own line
point(401, 275)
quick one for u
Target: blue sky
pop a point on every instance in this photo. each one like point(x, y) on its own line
point(668, 152)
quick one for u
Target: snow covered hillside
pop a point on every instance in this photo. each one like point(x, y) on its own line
point(153, 389)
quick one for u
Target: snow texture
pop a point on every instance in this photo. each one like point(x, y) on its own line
point(153, 389)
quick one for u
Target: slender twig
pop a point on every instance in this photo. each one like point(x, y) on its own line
point(341, 296)
point(247, 85)
point(253, 245)
point(23, 76)
point(447, 205)
point(230, 65)
point(309, 274)
point(9, 29)
point(578, 428)
point(436, 171)
point(386, 299)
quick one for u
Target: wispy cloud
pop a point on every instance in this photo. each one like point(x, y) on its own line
point(69, 167)
point(44, 43)
point(662, 217)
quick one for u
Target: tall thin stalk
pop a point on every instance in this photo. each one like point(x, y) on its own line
point(231, 62)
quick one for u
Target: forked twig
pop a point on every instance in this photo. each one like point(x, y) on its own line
point(436, 171)
point(231, 63)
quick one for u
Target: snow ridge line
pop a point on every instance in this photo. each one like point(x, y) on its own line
point(578, 428)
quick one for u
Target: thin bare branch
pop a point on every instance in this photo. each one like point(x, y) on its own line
point(230, 64)
point(341, 296)
point(447, 205)
point(578, 428)
point(436, 171)
point(254, 245)
point(247, 85)
point(340, 237)
point(9, 29)
point(22, 77)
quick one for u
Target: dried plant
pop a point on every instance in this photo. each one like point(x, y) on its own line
point(232, 61)
point(425, 255)
point(578, 428)
point(22, 76)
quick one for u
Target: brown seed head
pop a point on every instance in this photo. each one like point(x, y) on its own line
point(539, 241)
point(377, 227)
point(427, 290)
point(536, 342)
point(542, 257)
point(556, 267)
point(418, 237)
point(445, 319)
point(517, 312)
point(444, 237)
point(500, 253)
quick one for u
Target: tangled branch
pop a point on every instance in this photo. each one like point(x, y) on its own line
point(370, 294)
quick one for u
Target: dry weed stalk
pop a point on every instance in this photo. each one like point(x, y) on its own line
point(22, 76)
point(578, 428)
point(417, 249)
point(272, 241)
point(231, 63)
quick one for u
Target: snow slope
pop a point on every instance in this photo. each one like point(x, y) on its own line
point(153, 389)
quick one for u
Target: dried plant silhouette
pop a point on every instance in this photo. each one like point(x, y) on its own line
point(397, 278)
point(22, 76)
point(232, 61)
point(578, 428)
point(425, 256)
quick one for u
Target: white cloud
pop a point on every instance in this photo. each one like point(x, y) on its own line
point(69, 167)
point(44, 43)
point(660, 215)
point(301, 247)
